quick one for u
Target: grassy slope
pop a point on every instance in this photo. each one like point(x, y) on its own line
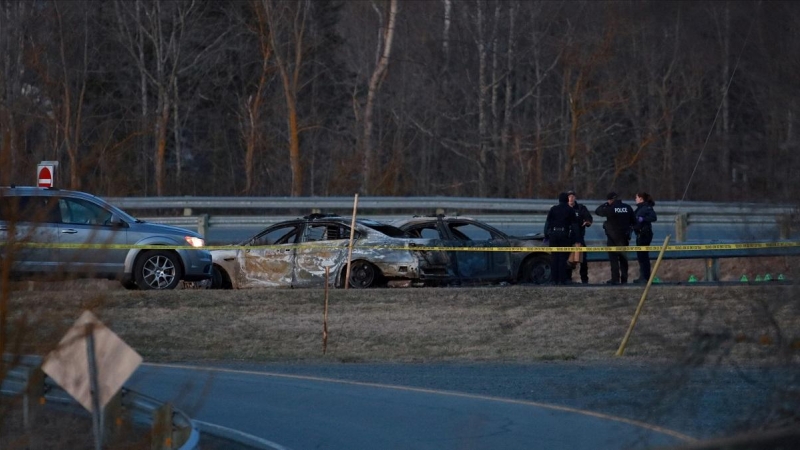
point(755, 324)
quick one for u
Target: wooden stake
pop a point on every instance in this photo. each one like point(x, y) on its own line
point(622, 345)
point(350, 250)
point(325, 314)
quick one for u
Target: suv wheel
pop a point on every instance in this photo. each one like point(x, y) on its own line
point(157, 269)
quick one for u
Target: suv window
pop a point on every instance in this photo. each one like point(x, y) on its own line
point(82, 212)
point(24, 208)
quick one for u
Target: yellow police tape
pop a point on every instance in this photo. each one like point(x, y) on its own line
point(339, 244)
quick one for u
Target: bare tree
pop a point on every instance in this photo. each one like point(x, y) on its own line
point(252, 105)
point(385, 50)
point(289, 50)
point(152, 31)
point(69, 116)
point(12, 45)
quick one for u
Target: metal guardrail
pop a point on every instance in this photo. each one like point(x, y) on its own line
point(184, 432)
point(425, 205)
point(196, 212)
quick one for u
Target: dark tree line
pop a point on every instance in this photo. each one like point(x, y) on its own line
point(482, 98)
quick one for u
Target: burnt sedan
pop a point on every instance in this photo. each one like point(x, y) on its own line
point(489, 266)
point(295, 253)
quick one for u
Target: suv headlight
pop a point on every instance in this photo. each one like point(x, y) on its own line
point(195, 241)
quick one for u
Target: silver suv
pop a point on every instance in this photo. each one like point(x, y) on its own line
point(46, 231)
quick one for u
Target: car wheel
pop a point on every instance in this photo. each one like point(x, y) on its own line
point(157, 269)
point(536, 270)
point(219, 279)
point(363, 274)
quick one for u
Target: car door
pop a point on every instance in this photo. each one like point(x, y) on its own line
point(269, 258)
point(31, 224)
point(322, 245)
point(439, 264)
point(90, 242)
point(479, 265)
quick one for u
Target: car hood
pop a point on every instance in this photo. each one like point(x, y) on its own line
point(166, 230)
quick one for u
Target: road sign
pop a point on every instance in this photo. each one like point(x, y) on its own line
point(45, 174)
point(68, 365)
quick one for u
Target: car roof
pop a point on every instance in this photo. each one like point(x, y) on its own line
point(424, 219)
point(14, 190)
point(43, 192)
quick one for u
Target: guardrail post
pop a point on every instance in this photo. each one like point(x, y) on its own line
point(681, 223)
point(34, 396)
point(113, 419)
point(712, 269)
point(784, 226)
point(162, 428)
point(202, 225)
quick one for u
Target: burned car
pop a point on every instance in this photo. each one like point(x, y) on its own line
point(295, 253)
point(489, 266)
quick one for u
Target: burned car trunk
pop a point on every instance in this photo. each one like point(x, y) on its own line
point(493, 265)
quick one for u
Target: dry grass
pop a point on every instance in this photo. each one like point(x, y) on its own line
point(756, 324)
point(749, 323)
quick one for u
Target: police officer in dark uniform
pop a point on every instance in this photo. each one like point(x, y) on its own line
point(560, 229)
point(645, 216)
point(584, 218)
point(618, 226)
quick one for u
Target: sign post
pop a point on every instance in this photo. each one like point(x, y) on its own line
point(46, 174)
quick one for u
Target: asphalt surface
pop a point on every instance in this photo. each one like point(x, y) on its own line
point(298, 413)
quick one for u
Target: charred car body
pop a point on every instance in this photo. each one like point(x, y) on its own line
point(295, 253)
point(477, 266)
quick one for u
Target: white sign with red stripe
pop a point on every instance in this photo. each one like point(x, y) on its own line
point(46, 174)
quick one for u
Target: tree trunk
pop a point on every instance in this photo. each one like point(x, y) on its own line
point(374, 83)
point(506, 127)
point(482, 88)
point(161, 141)
point(252, 105)
point(448, 7)
point(145, 140)
point(726, 150)
point(290, 67)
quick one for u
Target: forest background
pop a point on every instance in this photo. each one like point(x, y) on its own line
point(484, 98)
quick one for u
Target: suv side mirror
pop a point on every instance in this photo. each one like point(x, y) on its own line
point(116, 222)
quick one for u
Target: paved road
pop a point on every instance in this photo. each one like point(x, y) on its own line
point(559, 405)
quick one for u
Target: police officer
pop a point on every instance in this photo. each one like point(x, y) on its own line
point(645, 216)
point(585, 219)
point(560, 229)
point(618, 226)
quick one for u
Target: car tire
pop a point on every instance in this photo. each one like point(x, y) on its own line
point(363, 275)
point(536, 270)
point(219, 280)
point(157, 270)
